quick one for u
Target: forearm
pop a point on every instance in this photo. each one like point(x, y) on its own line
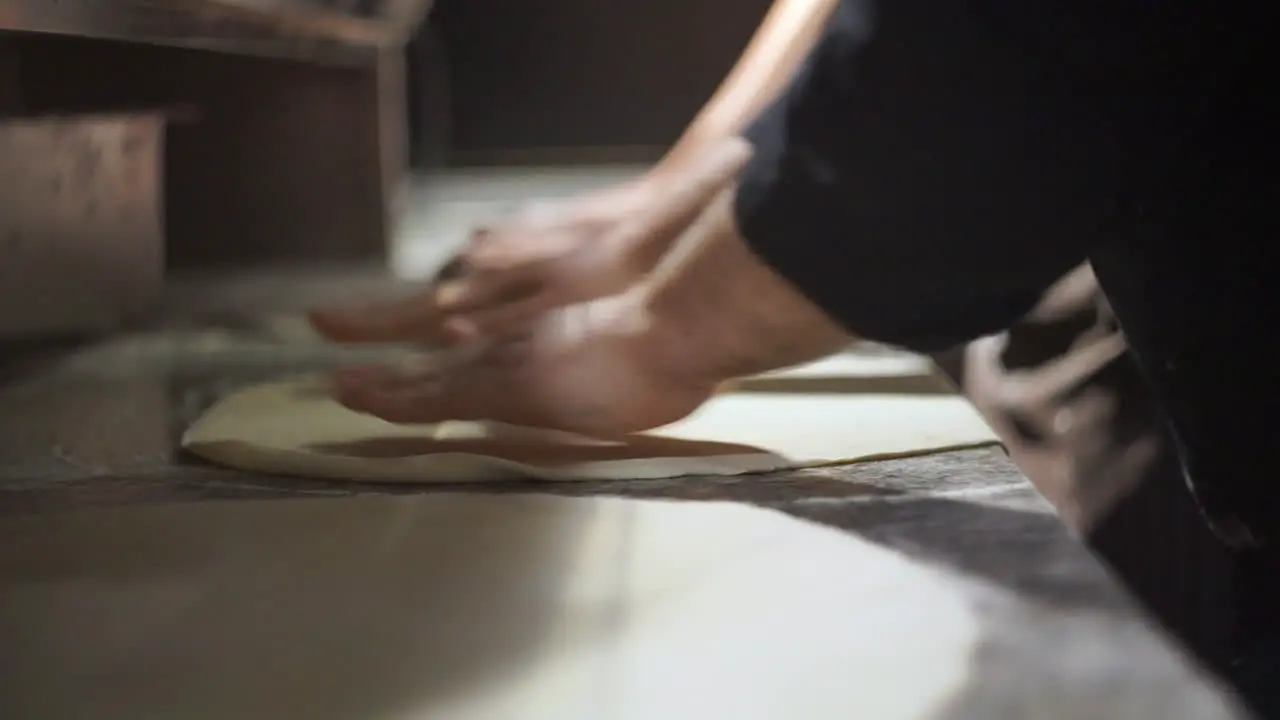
point(901, 184)
point(921, 213)
point(783, 39)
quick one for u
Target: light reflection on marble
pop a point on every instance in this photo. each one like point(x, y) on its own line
point(467, 607)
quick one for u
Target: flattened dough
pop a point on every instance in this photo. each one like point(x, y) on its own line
point(296, 428)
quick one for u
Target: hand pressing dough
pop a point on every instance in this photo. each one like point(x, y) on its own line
point(296, 428)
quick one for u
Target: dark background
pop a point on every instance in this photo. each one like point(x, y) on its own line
point(510, 81)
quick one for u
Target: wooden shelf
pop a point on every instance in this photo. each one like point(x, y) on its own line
point(340, 32)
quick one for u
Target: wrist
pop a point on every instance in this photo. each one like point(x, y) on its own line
point(676, 193)
point(718, 312)
point(694, 143)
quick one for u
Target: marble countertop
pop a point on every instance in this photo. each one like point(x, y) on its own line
point(99, 425)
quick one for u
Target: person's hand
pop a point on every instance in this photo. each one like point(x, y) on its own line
point(712, 312)
point(550, 256)
point(543, 228)
point(595, 368)
point(545, 255)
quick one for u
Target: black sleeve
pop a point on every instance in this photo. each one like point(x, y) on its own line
point(928, 173)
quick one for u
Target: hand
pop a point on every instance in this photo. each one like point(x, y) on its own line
point(543, 256)
point(552, 256)
point(547, 255)
point(596, 368)
point(622, 364)
point(417, 318)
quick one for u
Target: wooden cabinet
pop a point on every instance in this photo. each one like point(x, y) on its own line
point(295, 150)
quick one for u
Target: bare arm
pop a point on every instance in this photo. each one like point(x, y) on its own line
point(599, 244)
point(921, 214)
point(747, 318)
point(785, 36)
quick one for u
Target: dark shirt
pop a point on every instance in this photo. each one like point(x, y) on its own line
point(935, 166)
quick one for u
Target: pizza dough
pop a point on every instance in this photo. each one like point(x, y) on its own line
point(296, 428)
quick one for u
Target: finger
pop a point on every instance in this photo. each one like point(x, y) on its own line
point(415, 318)
point(472, 392)
point(500, 321)
point(413, 404)
point(389, 377)
point(401, 394)
point(484, 289)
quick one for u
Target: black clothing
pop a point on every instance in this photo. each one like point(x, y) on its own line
point(933, 167)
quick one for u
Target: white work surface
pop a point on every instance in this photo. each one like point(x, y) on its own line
point(490, 607)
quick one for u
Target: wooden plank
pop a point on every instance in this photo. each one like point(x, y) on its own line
point(299, 29)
